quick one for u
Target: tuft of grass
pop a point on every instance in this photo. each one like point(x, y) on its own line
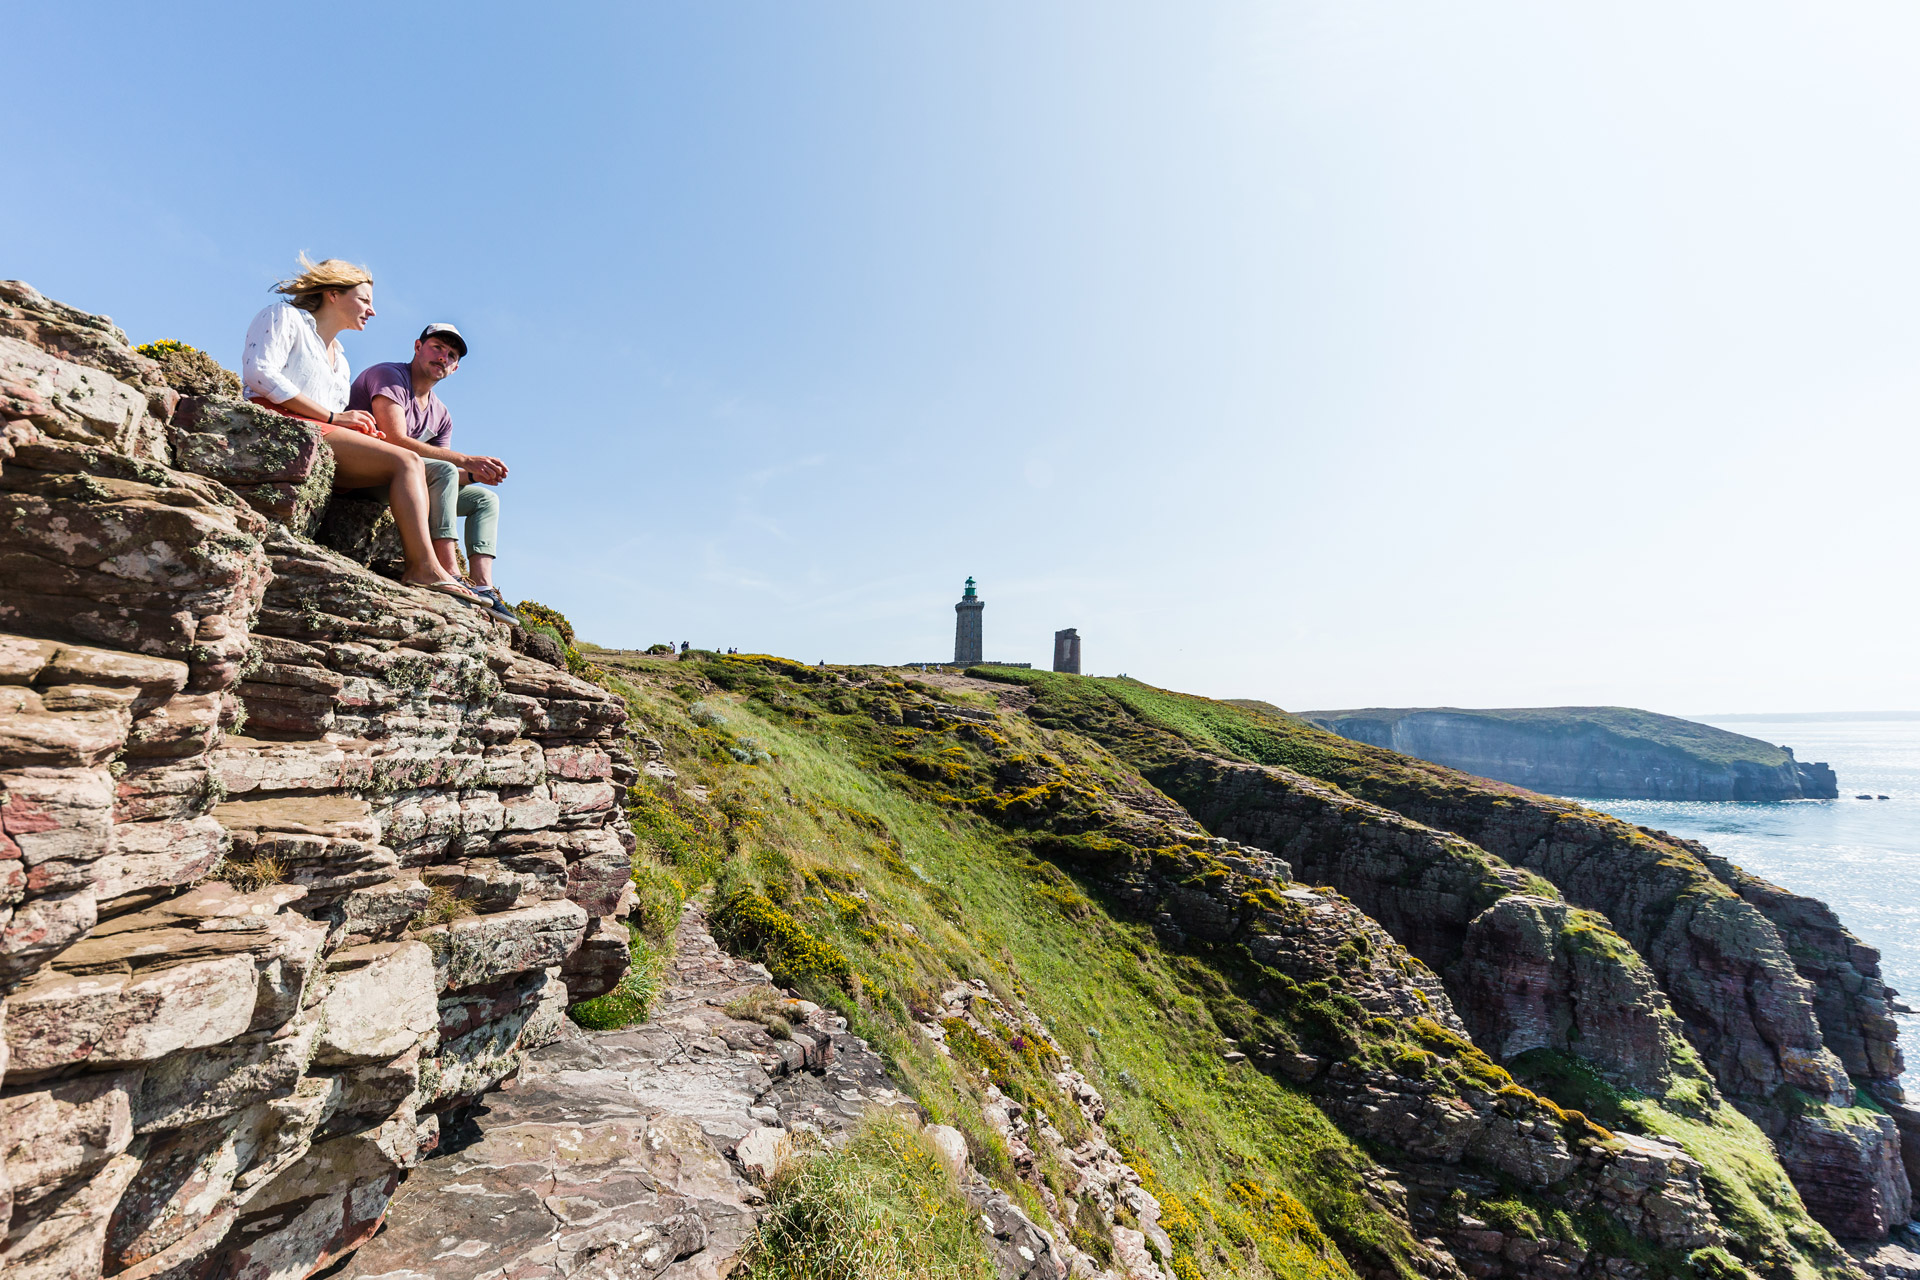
point(768, 1008)
point(632, 1000)
point(443, 907)
point(253, 873)
point(881, 1208)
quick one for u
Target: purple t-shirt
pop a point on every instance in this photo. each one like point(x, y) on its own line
point(427, 419)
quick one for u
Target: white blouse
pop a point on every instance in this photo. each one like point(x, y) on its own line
point(285, 358)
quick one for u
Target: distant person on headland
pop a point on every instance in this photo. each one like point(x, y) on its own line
point(402, 401)
point(293, 365)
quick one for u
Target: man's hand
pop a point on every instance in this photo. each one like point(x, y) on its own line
point(485, 470)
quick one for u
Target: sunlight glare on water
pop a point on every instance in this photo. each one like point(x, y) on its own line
point(1861, 857)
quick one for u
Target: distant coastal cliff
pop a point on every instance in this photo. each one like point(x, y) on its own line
point(1616, 752)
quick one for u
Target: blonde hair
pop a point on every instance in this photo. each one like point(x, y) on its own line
point(317, 279)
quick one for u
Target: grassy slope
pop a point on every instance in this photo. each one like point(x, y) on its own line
point(1255, 1177)
point(1688, 737)
point(1149, 725)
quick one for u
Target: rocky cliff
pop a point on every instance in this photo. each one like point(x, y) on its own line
point(1591, 751)
point(1786, 1010)
point(301, 871)
point(293, 859)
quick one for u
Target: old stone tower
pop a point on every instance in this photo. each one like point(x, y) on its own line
point(967, 644)
point(1066, 650)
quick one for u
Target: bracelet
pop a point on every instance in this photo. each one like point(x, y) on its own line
point(329, 418)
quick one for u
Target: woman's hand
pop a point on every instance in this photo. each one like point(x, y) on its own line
point(357, 420)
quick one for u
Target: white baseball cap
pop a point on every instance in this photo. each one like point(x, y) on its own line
point(447, 331)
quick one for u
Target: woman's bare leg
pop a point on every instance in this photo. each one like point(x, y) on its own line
point(362, 462)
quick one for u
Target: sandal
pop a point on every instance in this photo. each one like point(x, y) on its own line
point(446, 588)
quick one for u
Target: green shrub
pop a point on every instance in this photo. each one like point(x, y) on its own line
point(1413, 1063)
point(538, 619)
point(534, 613)
point(750, 925)
point(190, 371)
point(1178, 1221)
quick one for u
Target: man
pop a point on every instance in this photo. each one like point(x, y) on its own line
point(403, 404)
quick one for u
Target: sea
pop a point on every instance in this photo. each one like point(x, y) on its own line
point(1861, 857)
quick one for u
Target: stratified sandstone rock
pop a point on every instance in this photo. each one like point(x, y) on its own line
point(384, 999)
point(64, 1020)
point(1849, 997)
point(1536, 973)
point(600, 961)
point(56, 1135)
point(206, 1076)
point(63, 1234)
point(178, 1205)
point(323, 1207)
point(66, 711)
point(484, 949)
point(101, 549)
point(71, 402)
point(1847, 1165)
point(72, 334)
point(276, 463)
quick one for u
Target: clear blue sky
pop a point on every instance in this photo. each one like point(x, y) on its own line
point(1335, 354)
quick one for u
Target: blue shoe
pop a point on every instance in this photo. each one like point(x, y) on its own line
point(496, 603)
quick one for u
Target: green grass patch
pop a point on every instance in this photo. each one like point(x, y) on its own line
point(880, 1208)
point(632, 1000)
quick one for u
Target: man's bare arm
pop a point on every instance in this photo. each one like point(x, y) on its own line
point(392, 421)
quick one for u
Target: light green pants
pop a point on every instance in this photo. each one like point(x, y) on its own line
point(477, 502)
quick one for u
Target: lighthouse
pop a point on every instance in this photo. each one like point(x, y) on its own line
point(967, 644)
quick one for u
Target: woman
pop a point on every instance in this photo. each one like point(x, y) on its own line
point(293, 363)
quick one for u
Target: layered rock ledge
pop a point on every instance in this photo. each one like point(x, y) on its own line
point(294, 860)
